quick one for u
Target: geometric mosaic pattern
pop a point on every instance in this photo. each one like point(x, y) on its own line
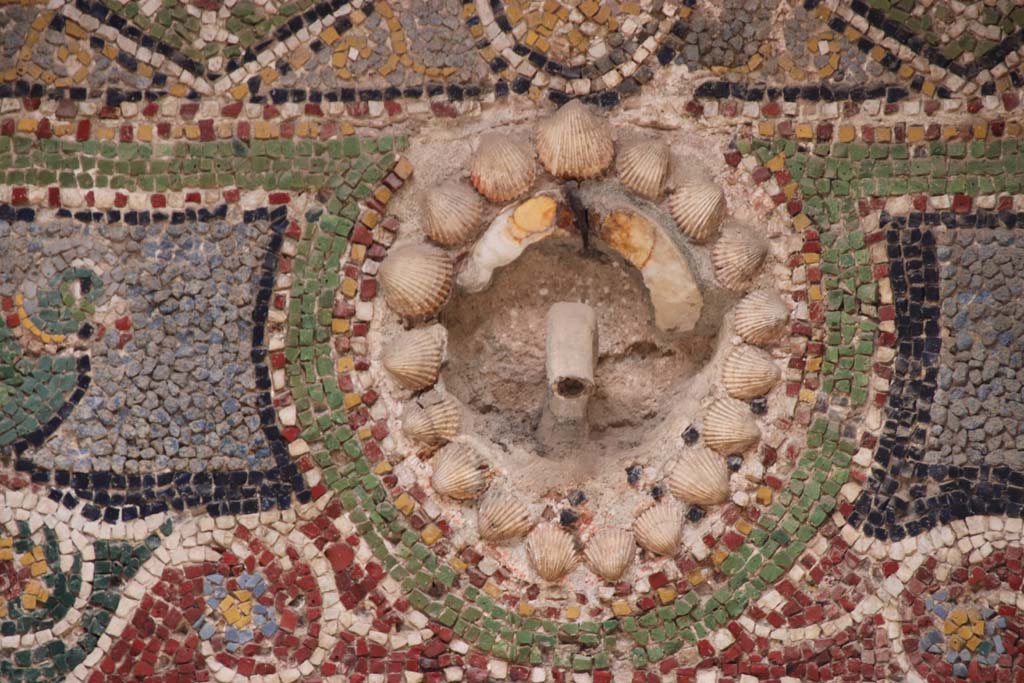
point(199, 473)
point(919, 482)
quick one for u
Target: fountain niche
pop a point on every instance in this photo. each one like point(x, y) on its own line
point(560, 367)
point(582, 326)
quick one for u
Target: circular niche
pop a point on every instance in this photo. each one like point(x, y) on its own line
point(570, 346)
point(496, 366)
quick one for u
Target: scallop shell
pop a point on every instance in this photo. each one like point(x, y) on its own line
point(433, 424)
point(659, 529)
point(697, 205)
point(761, 317)
point(700, 478)
point(502, 516)
point(575, 143)
point(459, 472)
point(452, 213)
point(643, 167)
point(501, 168)
point(730, 427)
point(609, 553)
point(414, 358)
point(417, 280)
point(749, 372)
point(551, 552)
point(738, 256)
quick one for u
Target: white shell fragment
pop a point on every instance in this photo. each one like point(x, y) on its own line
point(459, 472)
point(700, 478)
point(414, 358)
point(502, 168)
point(659, 529)
point(417, 280)
point(761, 317)
point(575, 143)
point(609, 553)
point(451, 213)
point(551, 551)
point(514, 229)
point(730, 427)
point(502, 516)
point(749, 372)
point(675, 294)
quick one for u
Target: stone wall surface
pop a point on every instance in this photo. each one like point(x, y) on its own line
point(223, 223)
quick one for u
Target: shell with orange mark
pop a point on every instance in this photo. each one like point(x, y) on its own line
point(631, 234)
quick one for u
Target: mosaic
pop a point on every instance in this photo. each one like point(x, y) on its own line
point(491, 340)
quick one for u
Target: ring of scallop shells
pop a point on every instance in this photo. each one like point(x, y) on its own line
point(417, 280)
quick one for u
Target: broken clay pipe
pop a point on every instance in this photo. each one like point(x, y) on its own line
point(571, 347)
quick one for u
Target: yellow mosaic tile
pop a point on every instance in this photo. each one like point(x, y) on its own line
point(431, 534)
point(405, 503)
point(621, 608)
